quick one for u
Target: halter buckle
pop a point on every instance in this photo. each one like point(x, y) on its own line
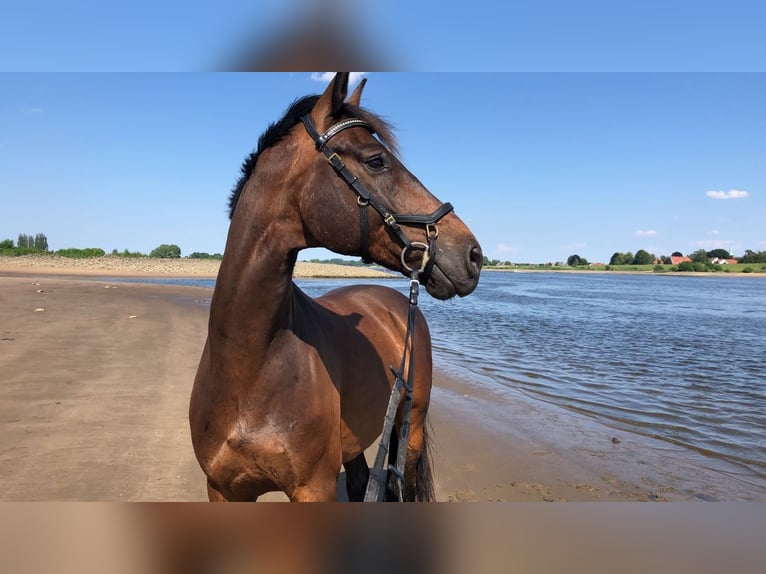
point(432, 231)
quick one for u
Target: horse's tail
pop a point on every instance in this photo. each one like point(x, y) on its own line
point(425, 488)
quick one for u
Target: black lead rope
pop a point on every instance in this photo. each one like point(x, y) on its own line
point(393, 474)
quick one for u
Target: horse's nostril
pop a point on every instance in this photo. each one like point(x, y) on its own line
point(475, 261)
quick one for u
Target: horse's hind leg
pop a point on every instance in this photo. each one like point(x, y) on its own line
point(357, 473)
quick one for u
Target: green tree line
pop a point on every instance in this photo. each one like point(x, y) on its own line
point(38, 243)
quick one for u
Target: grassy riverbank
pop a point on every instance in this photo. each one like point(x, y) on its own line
point(755, 269)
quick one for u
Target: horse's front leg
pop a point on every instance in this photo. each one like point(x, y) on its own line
point(320, 483)
point(317, 491)
point(213, 495)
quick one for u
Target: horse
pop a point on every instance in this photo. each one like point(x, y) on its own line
point(290, 388)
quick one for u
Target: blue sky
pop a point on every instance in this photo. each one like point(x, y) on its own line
point(540, 166)
point(484, 35)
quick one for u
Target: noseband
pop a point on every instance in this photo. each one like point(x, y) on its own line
point(364, 199)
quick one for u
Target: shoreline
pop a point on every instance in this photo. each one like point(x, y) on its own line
point(116, 266)
point(65, 371)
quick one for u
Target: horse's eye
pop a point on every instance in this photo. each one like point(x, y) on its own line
point(376, 162)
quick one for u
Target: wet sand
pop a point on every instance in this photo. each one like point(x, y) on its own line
point(96, 377)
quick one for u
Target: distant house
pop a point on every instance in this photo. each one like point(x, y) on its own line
point(657, 261)
point(720, 261)
point(675, 260)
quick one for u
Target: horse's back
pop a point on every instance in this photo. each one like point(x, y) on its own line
point(363, 299)
point(379, 313)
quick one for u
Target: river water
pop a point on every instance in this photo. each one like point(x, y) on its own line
point(681, 359)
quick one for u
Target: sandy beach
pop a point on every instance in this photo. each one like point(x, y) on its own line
point(149, 267)
point(95, 389)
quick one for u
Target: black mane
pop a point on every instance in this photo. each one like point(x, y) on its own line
point(278, 130)
point(275, 133)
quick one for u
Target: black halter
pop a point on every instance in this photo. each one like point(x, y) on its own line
point(365, 199)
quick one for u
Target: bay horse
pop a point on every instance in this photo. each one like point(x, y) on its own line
point(290, 388)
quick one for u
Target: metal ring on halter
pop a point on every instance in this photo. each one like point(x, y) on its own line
point(413, 245)
point(362, 202)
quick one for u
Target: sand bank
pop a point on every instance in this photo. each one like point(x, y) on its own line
point(151, 267)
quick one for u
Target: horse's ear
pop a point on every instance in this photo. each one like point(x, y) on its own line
point(356, 97)
point(331, 101)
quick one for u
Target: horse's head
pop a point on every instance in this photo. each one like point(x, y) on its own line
point(365, 202)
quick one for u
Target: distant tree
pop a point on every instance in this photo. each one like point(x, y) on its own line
point(575, 260)
point(699, 256)
point(77, 253)
point(642, 258)
point(6, 244)
point(23, 241)
point(204, 255)
point(686, 266)
point(665, 259)
point(677, 254)
point(720, 253)
point(41, 242)
point(751, 256)
point(166, 251)
point(619, 258)
point(698, 266)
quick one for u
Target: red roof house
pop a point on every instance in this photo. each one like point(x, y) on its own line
point(675, 260)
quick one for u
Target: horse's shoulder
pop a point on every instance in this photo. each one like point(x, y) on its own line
point(362, 296)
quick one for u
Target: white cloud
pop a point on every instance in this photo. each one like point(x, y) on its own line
point(731, 194)
point(710, 244)
point(715, 232)
point(30, 111)
point(503, 248)
point(646, 232)
point(326, 77)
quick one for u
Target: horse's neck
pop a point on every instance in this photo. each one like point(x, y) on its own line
point(252, 298)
